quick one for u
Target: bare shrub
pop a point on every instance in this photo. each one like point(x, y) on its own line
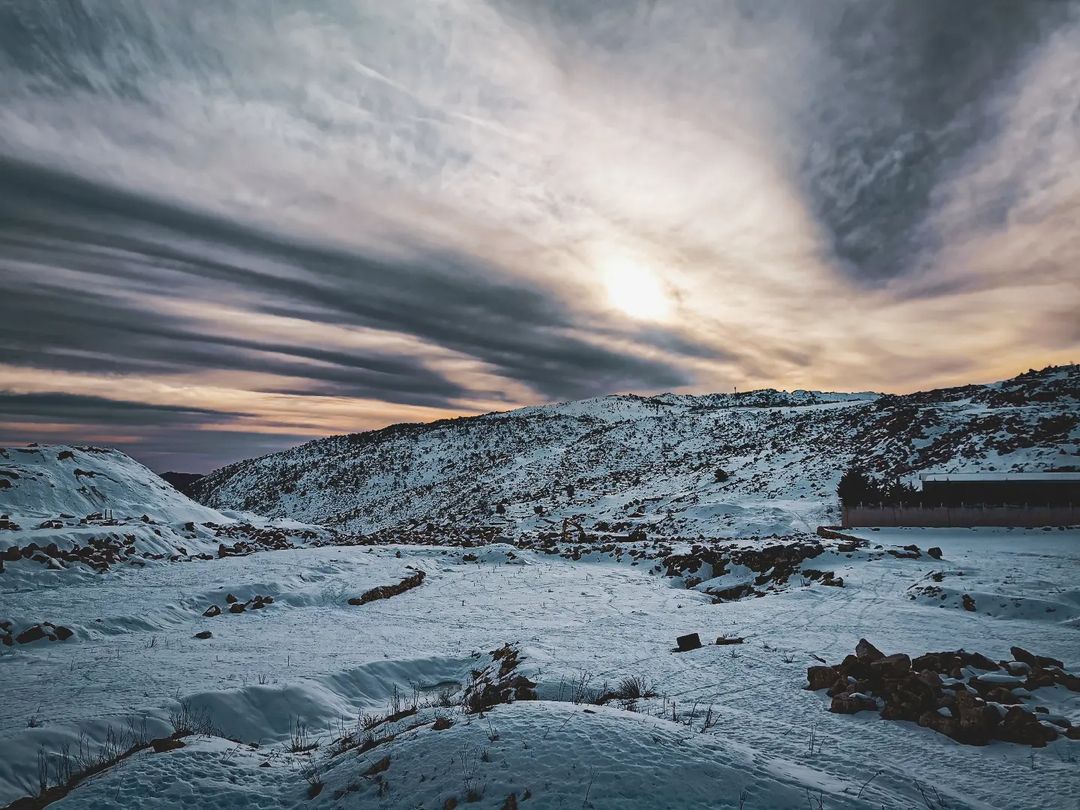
point(186, 720)
point(299, 739)
point(633, 687)
point(313, 776)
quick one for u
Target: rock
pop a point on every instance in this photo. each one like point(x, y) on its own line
point(820, 677)
point(847, 703)
point(852, 667)
point(442, 723)
point(949, 726)
point(865, 651)
point(934, 552)
point(691, 641)
point(204, 634)
point(231, 599)
point(1039, 678)
point(212, 611)
point(31, 634)
point(909, 698)
point(164, 744)
point(969, 603)
point(891, 666)
point(930, 678)
point(724, 640)
point(62, 633)
point(1020, 726)
point(1066, 679)
point(237, 607)
point(1020, 654)
point(977, 720)
point(979, 661)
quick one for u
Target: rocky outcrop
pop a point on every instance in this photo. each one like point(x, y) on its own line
point(965, 696)
point(386, 591)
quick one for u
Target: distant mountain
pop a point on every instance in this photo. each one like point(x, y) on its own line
point(48, 481)
point(760, 462)
point(182, 482)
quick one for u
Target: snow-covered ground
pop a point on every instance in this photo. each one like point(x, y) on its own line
point(311, 657)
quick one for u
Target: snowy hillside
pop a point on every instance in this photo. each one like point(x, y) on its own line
point(45, 482)
point(73, 510)
point(628, 463)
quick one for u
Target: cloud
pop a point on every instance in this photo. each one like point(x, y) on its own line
point(323, 217)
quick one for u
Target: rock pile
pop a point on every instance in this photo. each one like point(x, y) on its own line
point(386, 591)
point(965, 696)
point(773, 564)
point(35, 632)
point(234, 605)
point(99, 553)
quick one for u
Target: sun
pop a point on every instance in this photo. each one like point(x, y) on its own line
point(637, 291)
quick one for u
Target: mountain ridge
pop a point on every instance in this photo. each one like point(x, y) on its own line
point(649, 464)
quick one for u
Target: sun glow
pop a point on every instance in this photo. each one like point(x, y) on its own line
point(637, 292)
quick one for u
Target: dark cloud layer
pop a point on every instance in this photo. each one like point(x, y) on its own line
point(225, 226)
point(914, 89)
point(451, 301)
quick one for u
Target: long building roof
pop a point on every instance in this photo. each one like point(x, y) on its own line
point(974, 478)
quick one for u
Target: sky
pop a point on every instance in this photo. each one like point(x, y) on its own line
point(229, 226)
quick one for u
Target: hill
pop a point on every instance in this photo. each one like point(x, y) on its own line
point(759, 462)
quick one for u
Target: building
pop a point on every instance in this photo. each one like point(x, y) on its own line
point(980, 499)
point(1001, 489)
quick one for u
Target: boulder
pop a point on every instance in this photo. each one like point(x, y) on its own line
point(852, 667)
point(930, 678)
point(212, 611)
point(1066, 679)
point(979, 661)
point(820, 677)
point(934, 552)
point(865, 651)
point(1002, 695)
point(62, 633)
point(691, 641)
point(237, 607)
point(31, 634)
point(1023, 727)
point(969, 603)
point(891, 666)
point(1020, 654)
point(204, 634)
point(231, 599)
point(848, 703)
point(942, 724)
point(977, 719)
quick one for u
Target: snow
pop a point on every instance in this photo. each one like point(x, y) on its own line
point(45, 482)
point(311, 656)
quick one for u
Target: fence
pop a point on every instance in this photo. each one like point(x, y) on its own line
point(961, 516)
